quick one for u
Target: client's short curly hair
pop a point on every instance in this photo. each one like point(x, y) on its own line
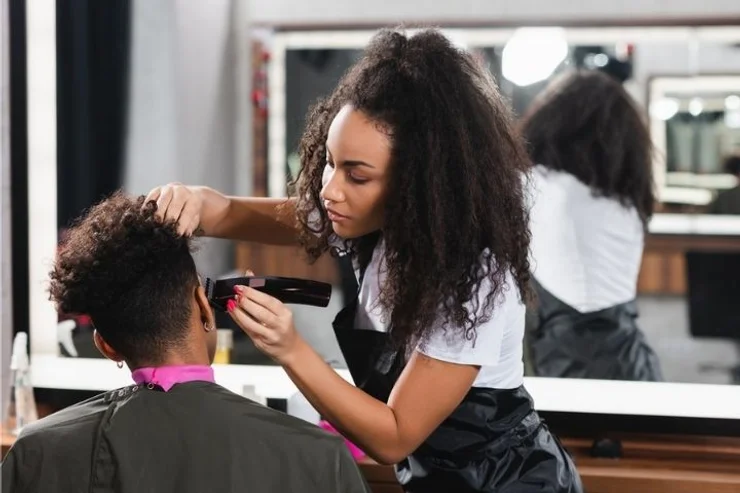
point(131, 273)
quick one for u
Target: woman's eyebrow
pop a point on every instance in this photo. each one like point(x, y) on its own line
point(355, 163)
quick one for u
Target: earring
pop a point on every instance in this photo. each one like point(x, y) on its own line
point(207, 326)
point(119, 364)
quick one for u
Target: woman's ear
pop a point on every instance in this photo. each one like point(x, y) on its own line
point(105, 348)
point(204, 307)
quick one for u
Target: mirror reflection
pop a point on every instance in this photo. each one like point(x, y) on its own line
point(651, 294)
point(592, 200)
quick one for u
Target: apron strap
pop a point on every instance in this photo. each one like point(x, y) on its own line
point(366, 250)
point(363, 250)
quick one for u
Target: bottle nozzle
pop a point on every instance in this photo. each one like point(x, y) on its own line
point(19, 359)
point(64, 336)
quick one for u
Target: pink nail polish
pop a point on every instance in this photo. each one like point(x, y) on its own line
point(237, 289)
point(230, 305)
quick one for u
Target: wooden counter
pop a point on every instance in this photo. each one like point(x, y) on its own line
point(663, 269)
point(285, 261)
point(6, 440)
point(649, 465)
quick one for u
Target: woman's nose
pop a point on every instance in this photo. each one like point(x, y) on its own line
point(332, 189)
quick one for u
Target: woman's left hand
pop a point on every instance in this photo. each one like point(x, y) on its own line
point(267, 321)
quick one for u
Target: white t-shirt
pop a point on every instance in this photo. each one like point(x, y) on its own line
point(497, 348)
point(585, 250)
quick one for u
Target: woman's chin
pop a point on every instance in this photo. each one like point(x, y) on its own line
point(345, 233)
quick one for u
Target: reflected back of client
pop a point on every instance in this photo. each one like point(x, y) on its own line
point(591, 200)
point(175, 429)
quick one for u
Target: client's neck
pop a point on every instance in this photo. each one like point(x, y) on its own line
point(187, 357)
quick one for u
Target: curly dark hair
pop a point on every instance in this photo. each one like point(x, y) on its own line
point(131, 273)
point(455, 211)
point(586, 124)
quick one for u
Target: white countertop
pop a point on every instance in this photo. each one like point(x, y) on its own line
point(550, 394)
point(695, 224)
point(99, 374)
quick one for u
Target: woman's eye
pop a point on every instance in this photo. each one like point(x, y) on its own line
point(357, 179)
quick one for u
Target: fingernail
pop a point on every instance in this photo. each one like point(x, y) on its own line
point(238, 289)
point(230, 305)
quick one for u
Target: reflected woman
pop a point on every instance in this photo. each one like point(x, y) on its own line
point(592, 197)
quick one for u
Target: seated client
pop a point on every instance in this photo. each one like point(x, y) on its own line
point(175, 429)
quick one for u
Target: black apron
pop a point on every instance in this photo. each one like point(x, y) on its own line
point(493, 441)
point(604, 344)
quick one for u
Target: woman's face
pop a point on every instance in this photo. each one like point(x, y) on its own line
point(358, 155)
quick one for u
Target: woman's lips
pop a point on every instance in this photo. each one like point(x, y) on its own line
point(335, 217)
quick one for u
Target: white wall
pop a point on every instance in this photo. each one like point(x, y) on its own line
point(152, 123)
point(368, 12)
point(662, 58)
point(188, 106)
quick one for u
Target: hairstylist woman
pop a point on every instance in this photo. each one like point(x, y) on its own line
point(413, 168)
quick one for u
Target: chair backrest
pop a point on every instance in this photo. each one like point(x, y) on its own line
point(713, 282)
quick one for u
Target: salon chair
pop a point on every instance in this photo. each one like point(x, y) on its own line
point(713, 291)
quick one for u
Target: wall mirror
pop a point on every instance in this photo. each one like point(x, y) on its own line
point(681, 296)
point(673, 294)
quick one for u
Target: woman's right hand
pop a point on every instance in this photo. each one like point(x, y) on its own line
point(191, 207)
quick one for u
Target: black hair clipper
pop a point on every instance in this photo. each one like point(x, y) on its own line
point(289, 290)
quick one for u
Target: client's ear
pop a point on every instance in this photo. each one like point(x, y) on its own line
point(206, 313)
point(105, 348)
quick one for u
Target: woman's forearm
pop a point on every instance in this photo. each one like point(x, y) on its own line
point(262, 220)
point(366, 421)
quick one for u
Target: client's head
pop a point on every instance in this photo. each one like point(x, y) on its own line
point(136, 279)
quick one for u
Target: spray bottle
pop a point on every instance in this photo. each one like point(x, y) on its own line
point(25, 403)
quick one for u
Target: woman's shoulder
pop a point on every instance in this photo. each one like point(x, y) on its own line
point(495, 320)
point(507, 297)
point(556, 191)
point(543, 176)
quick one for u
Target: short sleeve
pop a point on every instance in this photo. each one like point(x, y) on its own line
point(484, 349)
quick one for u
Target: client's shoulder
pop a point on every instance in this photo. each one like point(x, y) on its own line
point(257, 419)
point(66, 426)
